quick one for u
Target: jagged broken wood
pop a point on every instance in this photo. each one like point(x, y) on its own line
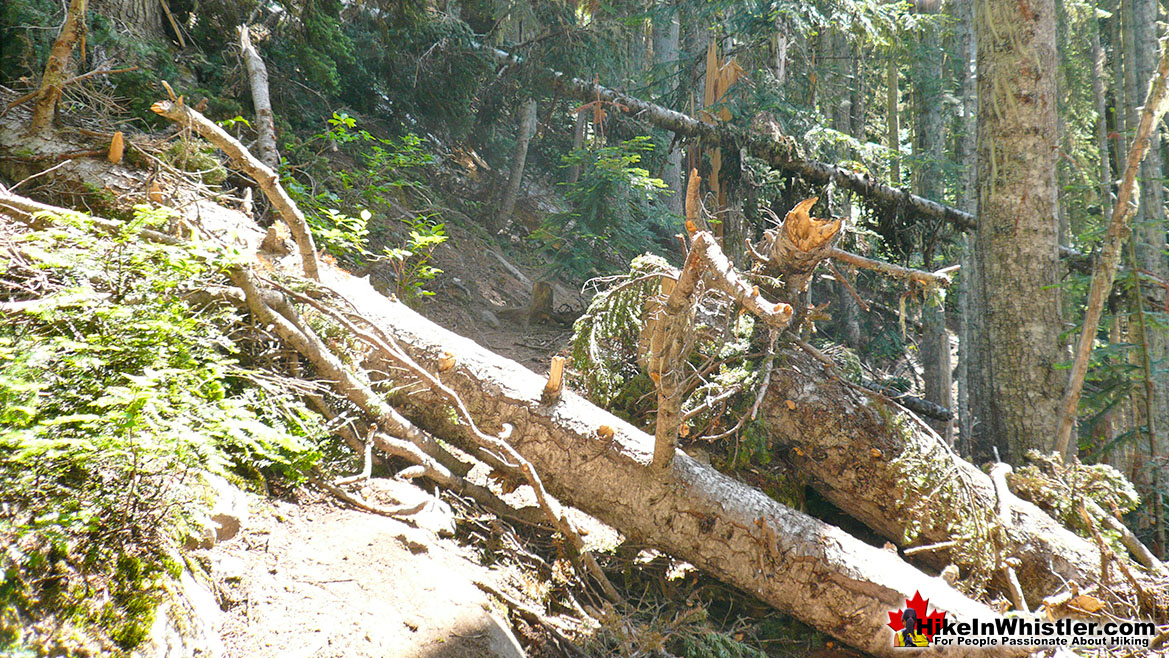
point(668, 344)
point(798, 564)
point(265, 177)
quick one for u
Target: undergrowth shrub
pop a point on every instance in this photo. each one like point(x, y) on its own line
point(117, 394)
point(613, 204)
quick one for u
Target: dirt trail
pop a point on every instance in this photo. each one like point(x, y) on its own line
point(311, 579)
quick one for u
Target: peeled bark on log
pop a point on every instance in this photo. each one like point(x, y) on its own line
point(792, 561)
point(889, 471)
point(265, 125)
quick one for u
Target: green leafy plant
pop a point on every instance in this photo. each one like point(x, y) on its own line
point(118, 394)
point(613, 203)
point(411, 262)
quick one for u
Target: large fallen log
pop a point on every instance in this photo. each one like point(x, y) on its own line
point(887, 469)
point(601, 464)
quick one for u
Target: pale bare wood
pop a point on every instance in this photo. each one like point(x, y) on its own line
point(555, 383)
point(258, 75)
point(268, 180)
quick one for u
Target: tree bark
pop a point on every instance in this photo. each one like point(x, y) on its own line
point(265, 125)
point(524, 131)
point(1016, 237)
point(794, 562)
point(967, 307)
point(667, 33)
point(893, 136)
point(935, 340)
point(57, 70)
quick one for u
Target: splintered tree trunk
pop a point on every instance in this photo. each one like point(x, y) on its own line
point(524, 132)
point(1016, 237)
point(601, 464)
point(57, 69)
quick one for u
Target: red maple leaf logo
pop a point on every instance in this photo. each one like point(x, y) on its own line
point(932, 621)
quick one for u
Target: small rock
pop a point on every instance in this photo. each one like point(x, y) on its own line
point(489, 318)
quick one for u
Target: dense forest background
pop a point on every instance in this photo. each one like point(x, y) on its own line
point(401, 123)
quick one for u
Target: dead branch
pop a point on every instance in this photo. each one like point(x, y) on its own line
point(668, 342)
point(267, 179)
point(401, 512)
point(78, 78)
point(927, 279)
point(53, 80)
point(1105, 270)
point(265, 125)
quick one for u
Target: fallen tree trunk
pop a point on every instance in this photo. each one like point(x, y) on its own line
point(780, 151)
point(880, 465)
point(800, 565)
point(601, 464)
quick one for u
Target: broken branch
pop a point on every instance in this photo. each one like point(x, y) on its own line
point(267, 179)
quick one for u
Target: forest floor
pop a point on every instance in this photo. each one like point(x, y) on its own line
point(309, 578)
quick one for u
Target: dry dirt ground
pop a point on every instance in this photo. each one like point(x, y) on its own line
point(312, 579)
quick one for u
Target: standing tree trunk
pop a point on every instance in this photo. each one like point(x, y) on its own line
point(892, 97)
point(967, 201)
point(667, 32)
point(935, 347)
point(1016, 237)
point(265, 125)
point(524, 132)
point(1149, 240)
point(142, 18)
point(1098, 99)
point(57, 70)
point(1150, 221)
